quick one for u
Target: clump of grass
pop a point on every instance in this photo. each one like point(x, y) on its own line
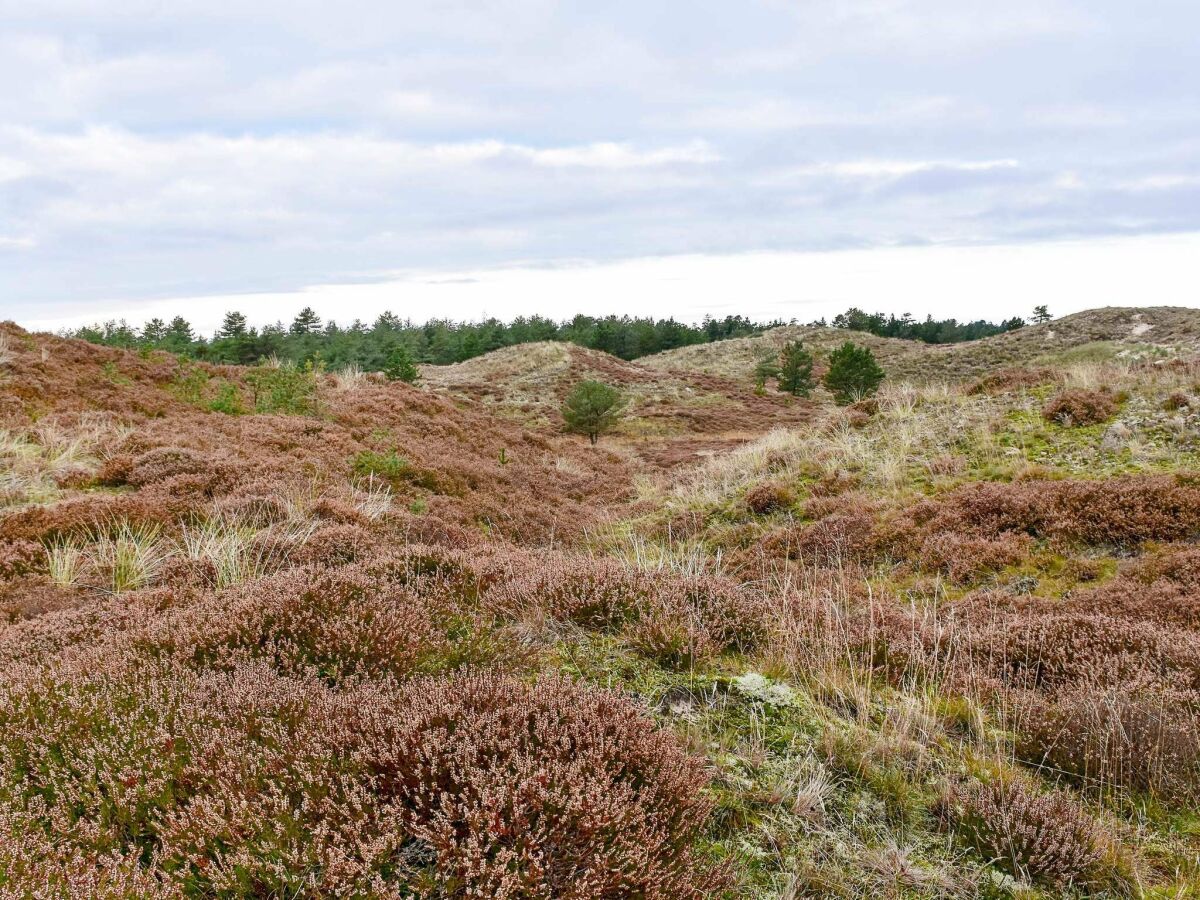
point(64, 562)
point(349, 378)
point(373, 498)
point(238, 552)
point(130, 555)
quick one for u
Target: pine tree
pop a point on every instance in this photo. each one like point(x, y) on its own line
point(764, 370)
point(795, 370)
point(853, 373)
point(592, 408)
point(306, 322)
point(234, 325)
point(400, 366)
point(154, 331)
point(1041, 314)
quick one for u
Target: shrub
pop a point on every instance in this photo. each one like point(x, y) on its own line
point(764, 370)
point(392, 468)
point(1012, 379)
point(1079, 407)
point(228, 400)
point(853, 373)
point(544, 791)
point(592, 408)
point(1139, 739)
point(768, 497)
point(964, 558)
point(1046, 836)
point(1176, 401)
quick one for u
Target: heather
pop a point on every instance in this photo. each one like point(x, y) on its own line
point(371, 639)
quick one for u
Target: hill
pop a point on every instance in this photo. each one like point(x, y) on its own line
point(272, 631)
point(669, 417)
point(1104, 331)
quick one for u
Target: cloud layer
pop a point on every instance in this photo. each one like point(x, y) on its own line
point(153, 150)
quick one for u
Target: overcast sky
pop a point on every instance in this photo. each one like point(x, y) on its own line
point(962, 157)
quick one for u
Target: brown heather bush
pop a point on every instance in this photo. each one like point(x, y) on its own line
point(548, 791)
point(1147, 740)
point(1078, 407)
point(239, 782)
point(1013, 379)
point(1161, 601)
point(965, 558)
point(673, 618)
point(768, 497)
point(1046, 836)
point(1176, 401)
point(1123, 511)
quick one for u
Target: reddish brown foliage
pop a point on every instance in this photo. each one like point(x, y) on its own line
point(1046, 836)
point(241, 782)
point(769, 497)
point(549, 791)
point(1079, 407)
point(1013, 379)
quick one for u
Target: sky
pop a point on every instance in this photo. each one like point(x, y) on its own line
point(460, 159)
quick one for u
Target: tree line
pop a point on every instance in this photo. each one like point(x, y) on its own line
point(930, 331)
point(438, 341)
point(379, 344)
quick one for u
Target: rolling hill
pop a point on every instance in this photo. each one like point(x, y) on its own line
point(1112, 330)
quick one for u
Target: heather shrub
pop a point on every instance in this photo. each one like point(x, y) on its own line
point(671, 638)
point(19, 557)
point(336, 545)
point(1078, 407)
point(1163, 601)
point(965, 558)
point(1050, 650)
point(838, 537)
point(340, 623)
point(599, 594)
point(1117, 511)
point(1176, 401)
point(1012, 379)
point(551, 790)
point(768, 497)
point(1045, 836)
point(1147, 740)
point(673, 618)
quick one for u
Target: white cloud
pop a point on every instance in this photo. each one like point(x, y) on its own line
point(181, 148)
point(895, 168)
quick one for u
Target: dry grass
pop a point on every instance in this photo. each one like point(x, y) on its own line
point(128, 556)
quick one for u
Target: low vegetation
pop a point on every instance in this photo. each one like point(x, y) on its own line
point(288, 631)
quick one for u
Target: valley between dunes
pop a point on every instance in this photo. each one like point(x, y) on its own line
point(378, 640)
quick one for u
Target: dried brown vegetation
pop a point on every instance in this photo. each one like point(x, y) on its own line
point(1079, 407)
point(388, 645)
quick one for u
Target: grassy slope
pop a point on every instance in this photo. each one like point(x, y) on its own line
point(1114, 329)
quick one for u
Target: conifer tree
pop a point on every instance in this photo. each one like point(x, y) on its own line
point(795, 370)
point(853, 373)
point(592, 408)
